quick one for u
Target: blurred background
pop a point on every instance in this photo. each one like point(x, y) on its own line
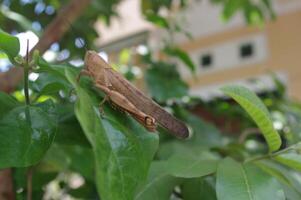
point(179, 52)
point(223, 51)
point(227, 42)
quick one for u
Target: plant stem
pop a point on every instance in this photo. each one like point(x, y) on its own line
point(272, 154)
point(26, 72)
point(29, 183)
point(247, 133)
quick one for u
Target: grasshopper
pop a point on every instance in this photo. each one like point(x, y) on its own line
point(128, 98)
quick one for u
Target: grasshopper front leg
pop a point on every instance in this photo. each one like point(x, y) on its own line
point(123, 103)
point(83, 72)
point(101, 110)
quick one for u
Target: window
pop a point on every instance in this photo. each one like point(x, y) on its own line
point(206, 60)
point(246, 50)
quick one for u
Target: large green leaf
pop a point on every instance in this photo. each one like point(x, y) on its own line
point(159, 185)
point(257, 110)
point(292, 160)
point(9, 44)
point(190, 166)
point(122, 148)
point(26, 133)
point(245, 182)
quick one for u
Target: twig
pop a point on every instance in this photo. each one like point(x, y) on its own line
point(6, 186)
point(245, 134)
point(26, 71)
point(29, 183)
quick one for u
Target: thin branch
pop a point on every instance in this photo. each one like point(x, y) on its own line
point(246, 133)
point(26, 71)
point(29, 183)
point(271, 155)
point(6, 185)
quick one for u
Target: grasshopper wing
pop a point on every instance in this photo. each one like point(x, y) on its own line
point(147, 105)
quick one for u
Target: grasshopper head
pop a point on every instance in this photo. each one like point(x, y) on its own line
point(93, 62)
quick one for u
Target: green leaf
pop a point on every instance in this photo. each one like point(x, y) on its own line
point(48, 84)
point(69, 131)
point(81, 160)
point(182, 55)
point(122, 148)
point(55, 160)
point(159, 185)
point(231, 7)
point(287, 178)
point(203, 133)
point(254, 15)
point(157, 20)
point(188, 166)
point(291, 160)
point(26, 133)
point(198, 188)
point(7, 103)
point(169, 148)
point(164, 82)
point(72, 157)
point(259, 113)
point(245, 182)
point(9, 44)
point(56, 70)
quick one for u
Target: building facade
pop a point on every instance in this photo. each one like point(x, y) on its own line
point(225, 52)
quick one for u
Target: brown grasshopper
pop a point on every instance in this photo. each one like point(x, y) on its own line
point(127, 97)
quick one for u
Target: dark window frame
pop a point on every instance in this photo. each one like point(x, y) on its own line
point(247, 50)
point(206, 60)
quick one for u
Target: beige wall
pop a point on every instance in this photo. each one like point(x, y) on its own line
point(284, 46)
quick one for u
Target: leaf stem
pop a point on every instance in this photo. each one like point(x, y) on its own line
point(272, 154)
point(26, 72)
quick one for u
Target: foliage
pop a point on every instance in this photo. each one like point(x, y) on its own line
point(67, 144)
point(245, 181)
point(257, 111)
point(254, 11)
